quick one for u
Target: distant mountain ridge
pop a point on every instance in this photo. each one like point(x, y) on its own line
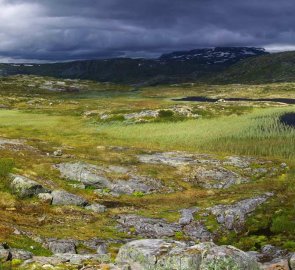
point(177, 66)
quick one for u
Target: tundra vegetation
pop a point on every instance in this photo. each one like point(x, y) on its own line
point(45, 122)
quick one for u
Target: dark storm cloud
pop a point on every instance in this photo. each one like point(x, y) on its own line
point(81, 29)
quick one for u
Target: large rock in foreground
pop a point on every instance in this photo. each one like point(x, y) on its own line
point(26, 187)
point(162, 254)
point(61, 197)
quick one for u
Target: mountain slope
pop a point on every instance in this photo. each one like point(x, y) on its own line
point(278, 67)
point(173, 67)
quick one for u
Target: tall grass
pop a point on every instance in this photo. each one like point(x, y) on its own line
point(257, 133)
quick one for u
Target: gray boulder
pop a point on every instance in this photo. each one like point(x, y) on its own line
point(45, 197)
point(164, 255)
point(187, 215)
point(88, 174)
point(233, 217)
point(21, 254)
point(61, 197)
point(136, 184)
point(78, 259)
point(197, 231)
point(173, 159)
point(26, 187)
point(62, 246)
point(7, 253)
point(216, 177)
point(148, 227)
point(97, 208)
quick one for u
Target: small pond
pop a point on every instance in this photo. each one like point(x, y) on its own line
point(205, 99)
point(288, 119)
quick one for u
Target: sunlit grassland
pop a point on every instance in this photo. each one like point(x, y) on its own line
point(258, 133)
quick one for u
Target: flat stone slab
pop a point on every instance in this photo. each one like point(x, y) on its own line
point(233, 216)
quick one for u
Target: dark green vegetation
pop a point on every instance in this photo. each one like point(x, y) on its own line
point(173, 67)
point(219, 66)
point(88, 121)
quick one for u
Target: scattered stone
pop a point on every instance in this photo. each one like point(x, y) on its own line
point(58, 153)
point(88, 174)
point(78, 259)
point(61, 197)
point(240, 162)
point(20, 254)
point(96, 176)
point(136, 184)
point(97, 208)
point(142, 114)
point(218, 177)
point(26, 187)
point(197, 231)
point(173, 159)
point(148, 227)
point(187, 215)
point(62, 246)
point(233, 216)
point(45, 197)
point(163, 254)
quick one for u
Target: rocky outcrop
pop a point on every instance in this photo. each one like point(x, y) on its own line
point(148, 227)
point(159, 228)
point(173, 159)
point(163, 254)
point(233, 217)
point(26, 187)
point(96, 208)
point(62, 246)
point(217, 177)
point(127, 181)
point(211, 172)
point(187, 215)
point(61, 197)
point(8, 254)
point(89, 175)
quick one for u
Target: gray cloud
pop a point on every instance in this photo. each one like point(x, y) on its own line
point(57, 30)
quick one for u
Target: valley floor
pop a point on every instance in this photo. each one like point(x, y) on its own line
point(89, 170)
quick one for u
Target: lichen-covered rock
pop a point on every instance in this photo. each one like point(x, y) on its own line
point(88, 174)
point(96, 208)
point(216, 177)
point(61, 197)
point(136, 183)
point(97, 177)
point(197, 231)
point(78, 259)
point(173, 159)
point(62, 246)
point(163, 254)
point(187, 215)
point(234, 216)
point(45, 197)
point(148, 227)
point(26, 187)
point(20, 254)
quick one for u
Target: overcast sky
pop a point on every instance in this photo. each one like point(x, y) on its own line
point(60, 30)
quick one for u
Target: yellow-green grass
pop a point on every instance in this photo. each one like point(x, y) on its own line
point(257, 133)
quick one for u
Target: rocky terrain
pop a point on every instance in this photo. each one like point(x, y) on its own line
point(103, 176)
